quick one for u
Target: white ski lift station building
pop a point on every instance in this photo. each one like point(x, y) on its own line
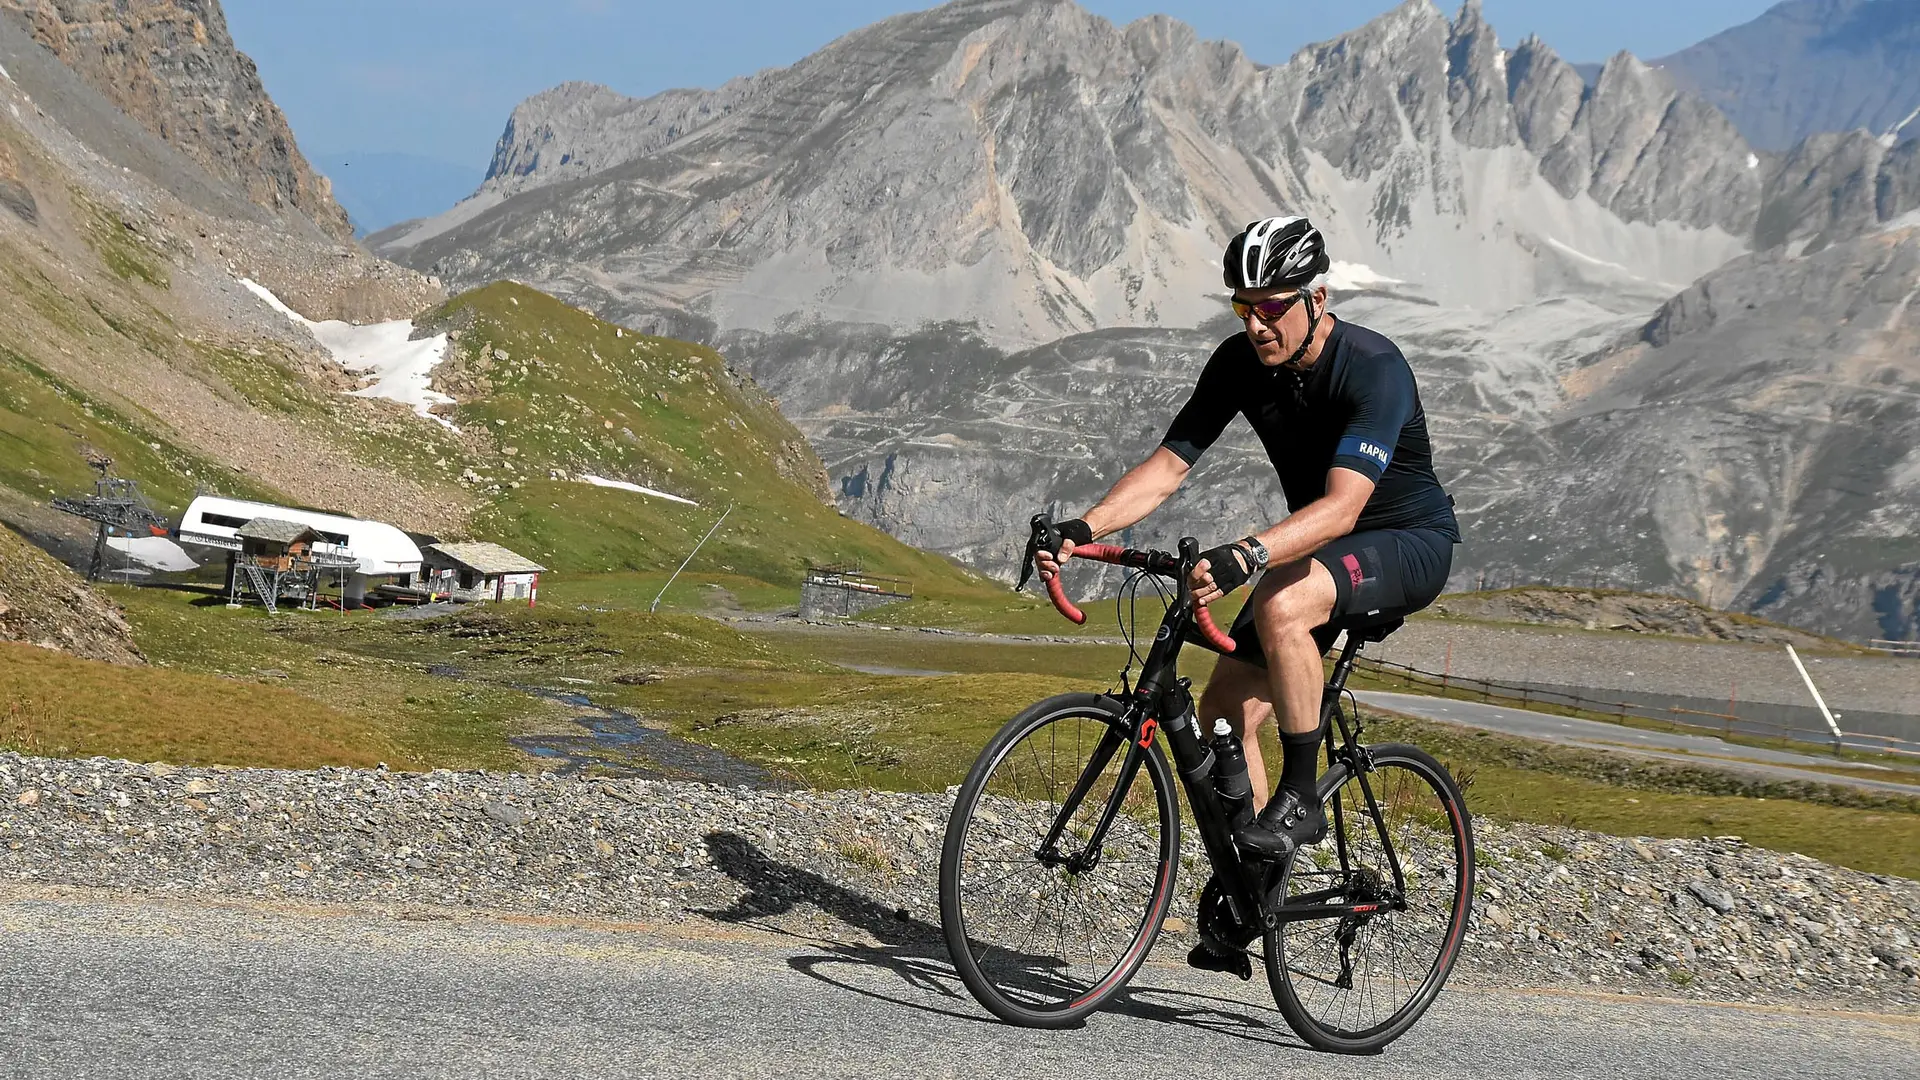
point(381, 552)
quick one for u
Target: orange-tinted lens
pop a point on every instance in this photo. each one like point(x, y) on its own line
point(1268, 310)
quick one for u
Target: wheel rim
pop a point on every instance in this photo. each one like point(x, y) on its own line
point(1053, 937)
point(1360, 975)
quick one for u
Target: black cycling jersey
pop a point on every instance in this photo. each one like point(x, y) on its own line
point(1356, 408)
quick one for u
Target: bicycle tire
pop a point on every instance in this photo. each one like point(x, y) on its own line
point(991, 971)
point(1420, 841)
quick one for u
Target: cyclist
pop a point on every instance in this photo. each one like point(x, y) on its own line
point(1369, 534)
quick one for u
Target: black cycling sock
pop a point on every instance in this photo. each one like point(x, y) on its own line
point(1299, 763)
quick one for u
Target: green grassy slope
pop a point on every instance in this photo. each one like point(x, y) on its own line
point(548, 393)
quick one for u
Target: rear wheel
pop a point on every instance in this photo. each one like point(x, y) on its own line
point(1042, 933)
point(1355, 983)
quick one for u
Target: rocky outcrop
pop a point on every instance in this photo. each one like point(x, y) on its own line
point(1833, 187)
point(44, 603)
point(577, 129)
point(1761, 427)
point(172, 66)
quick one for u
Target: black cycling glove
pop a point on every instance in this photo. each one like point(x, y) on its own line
point(1048, 537)
point(1229, 566)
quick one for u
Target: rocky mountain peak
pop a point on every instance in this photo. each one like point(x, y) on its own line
point(1810, 66)
point(1477, 90)
point(172, 66)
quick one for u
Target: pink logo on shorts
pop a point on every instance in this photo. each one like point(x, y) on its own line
point(1352, 563)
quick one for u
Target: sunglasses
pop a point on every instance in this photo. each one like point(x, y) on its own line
point(1269, 311)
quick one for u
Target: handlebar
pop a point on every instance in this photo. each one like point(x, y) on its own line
point(1153, 562)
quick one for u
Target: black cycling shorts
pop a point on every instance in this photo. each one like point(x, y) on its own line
point(1378, 576)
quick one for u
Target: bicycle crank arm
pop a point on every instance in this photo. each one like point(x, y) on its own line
point(1194, 762)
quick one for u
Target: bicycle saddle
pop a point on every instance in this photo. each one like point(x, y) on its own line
point(1378, 632)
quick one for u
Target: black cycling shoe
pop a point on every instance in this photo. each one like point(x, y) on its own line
point(1233, 960)
point(1287, 823)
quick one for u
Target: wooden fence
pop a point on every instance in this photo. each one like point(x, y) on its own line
point(1601, 707)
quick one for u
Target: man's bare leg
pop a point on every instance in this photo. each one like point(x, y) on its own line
point(1290, 603)
point(1238, 691)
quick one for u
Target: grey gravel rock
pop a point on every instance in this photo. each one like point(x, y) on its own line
point(864, 863)
point(505, 814)
point(1717, 899)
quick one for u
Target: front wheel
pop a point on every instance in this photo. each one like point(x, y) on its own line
point(1400, 845)
point(1046, 913)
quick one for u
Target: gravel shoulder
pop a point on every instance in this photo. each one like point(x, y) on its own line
point(182, 987)
point(1702, 919)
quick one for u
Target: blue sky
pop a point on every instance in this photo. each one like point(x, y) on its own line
point(437, 78)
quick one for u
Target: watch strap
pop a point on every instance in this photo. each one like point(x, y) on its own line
point(1256, 552)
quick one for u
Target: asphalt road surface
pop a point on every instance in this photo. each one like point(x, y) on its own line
point(1599, 735)
point(99, 986)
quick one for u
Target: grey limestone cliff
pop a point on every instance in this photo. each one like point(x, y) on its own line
point(172, 66)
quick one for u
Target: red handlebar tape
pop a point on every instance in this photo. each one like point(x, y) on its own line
point(1109, 553)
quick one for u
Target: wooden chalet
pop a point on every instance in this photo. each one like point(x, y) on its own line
point(478, 571)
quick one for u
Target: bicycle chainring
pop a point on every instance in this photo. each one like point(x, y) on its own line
point(1217, 920)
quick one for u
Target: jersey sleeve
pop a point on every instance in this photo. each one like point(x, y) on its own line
point(1207, 413)
point(1381, 398)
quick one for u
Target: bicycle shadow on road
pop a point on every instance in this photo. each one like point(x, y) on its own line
point(914, 952)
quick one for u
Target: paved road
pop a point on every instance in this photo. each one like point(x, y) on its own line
point(93, 986)
point(1599, 735)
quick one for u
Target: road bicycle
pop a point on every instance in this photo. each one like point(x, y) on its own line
point(1061, 855)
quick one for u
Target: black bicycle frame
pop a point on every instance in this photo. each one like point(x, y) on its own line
point(1161, 701)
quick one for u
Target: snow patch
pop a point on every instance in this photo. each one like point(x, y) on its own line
point(601, 481)
point(3, 73)
point(153, 552)
point(1354, 276)
point(1908, 220)
point(1892, 137)
point(399, 367)
point(1753, 160)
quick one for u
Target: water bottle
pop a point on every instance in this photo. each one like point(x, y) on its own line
point(1230, 774)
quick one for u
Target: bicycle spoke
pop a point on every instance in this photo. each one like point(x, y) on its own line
point(1389, 957)
point(1046, 926)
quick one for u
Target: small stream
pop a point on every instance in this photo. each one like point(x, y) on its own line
point(613, 742)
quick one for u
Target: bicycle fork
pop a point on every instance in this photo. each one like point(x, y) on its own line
point(1194, 760)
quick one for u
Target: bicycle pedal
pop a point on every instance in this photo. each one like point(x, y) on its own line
point(1236, 962)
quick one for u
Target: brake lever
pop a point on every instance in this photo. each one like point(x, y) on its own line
point(1044, 534)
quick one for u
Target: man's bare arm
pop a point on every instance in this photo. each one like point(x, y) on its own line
point(1319, 523)
point(1136, 495)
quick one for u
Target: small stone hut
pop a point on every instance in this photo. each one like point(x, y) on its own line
point(272, 544)
point(478, 571)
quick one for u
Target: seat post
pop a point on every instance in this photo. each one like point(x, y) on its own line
point(1343, 667)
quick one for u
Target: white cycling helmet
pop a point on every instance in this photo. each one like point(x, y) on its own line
point(1275, 253)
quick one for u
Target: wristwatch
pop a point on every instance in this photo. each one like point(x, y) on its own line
point(1256, 553)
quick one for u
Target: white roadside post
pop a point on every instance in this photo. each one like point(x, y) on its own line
point(1817, 699)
